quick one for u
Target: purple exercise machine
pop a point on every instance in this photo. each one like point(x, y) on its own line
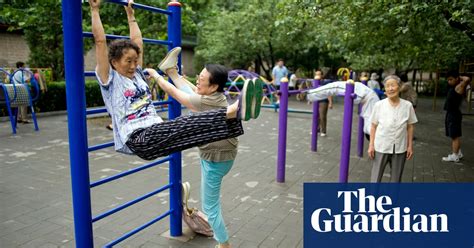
point(346, 129)
point(282, 126)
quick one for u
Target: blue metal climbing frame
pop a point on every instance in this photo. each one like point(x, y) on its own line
point(78, 147)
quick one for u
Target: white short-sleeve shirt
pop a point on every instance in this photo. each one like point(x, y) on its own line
point(392, 123)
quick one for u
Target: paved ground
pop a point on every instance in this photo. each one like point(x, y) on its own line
point(35, 194)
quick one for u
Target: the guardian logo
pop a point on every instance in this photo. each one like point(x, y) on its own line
point(375, 215)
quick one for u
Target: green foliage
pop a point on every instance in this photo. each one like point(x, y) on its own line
point(41, 23)
point(393, 34)
point(55, 98)
point(366, 34)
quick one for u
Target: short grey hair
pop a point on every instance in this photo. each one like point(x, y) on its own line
point(394, 77)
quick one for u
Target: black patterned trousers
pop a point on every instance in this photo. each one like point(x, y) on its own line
point(184, 132)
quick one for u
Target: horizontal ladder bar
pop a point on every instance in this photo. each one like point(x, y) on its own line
point(132, 171)
point(127, 235)
point(130, 203)
point(100, 146)
point(116, 37)
point(141, 6)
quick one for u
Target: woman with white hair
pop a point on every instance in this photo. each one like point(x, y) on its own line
point(391, 132)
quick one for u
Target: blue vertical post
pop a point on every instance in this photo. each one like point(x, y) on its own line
point(314, 127)
point(346, 132)
point(282, 127)
point(174, 110)
point(360, 134)
point(76, 106)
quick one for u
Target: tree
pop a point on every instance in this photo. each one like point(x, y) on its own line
point(368, 35)
point(388, 34)
point(256, 31)
point(41, 23)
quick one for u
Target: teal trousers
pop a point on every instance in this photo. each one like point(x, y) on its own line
point(211, 180)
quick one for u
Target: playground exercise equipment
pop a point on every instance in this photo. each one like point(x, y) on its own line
point(237, 78)
point(349, 97)
point(346, 130)
point(47, 73)
point(15, 95)
point(283, 125)
point(360, 128)
point(79, 160)
point(273, 105)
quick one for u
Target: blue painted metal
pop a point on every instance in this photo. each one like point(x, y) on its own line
point(35, 85)
point(33, 82)
point(11, 114)
point(174, 34)
point(7, 102)
point(127, 235)
point(132, 171)
point(117, 37)
point(100, 146)
point(130, 203)
point(73, 48)
point(11, 101)
point(76, 105)
point(289, 110)
point(272, 106)
point(141, 6)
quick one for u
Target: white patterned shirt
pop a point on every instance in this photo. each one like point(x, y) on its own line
point(129, 103)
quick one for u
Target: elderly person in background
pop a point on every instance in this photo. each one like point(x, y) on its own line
point(373, 83)
point(407, 91)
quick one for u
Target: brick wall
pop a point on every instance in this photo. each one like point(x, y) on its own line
point(13, 48)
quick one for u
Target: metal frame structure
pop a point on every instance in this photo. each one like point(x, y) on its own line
point(346, 129)
point(11, 102)
point(77, 128)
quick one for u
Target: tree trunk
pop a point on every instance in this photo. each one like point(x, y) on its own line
point(258, 66)
point(266, 70)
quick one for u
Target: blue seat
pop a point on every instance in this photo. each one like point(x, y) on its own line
point(16, 94)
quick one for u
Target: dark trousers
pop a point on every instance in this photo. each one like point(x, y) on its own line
point(323, 116)
point(182, 133)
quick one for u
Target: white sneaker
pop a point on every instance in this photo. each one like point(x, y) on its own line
point(170, 60)
point(323, 134)
point(451, 158)
point(460, 155)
